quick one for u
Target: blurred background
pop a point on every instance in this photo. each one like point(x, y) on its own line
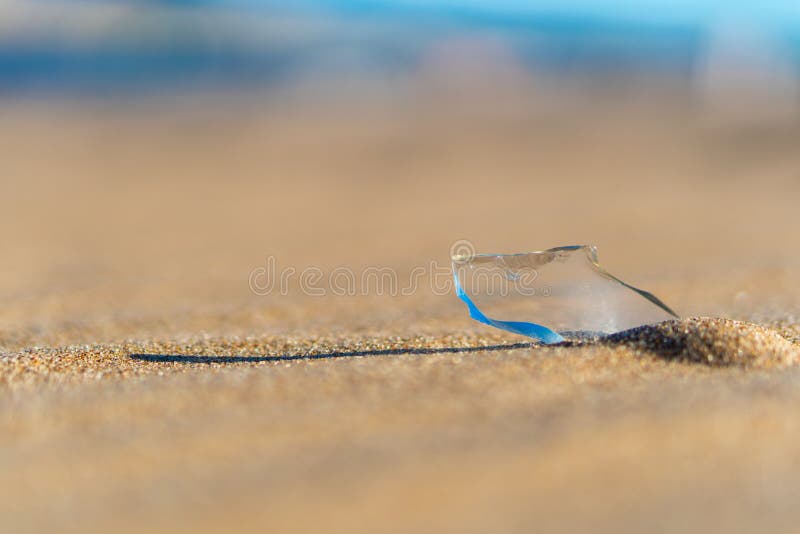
point(155, 153)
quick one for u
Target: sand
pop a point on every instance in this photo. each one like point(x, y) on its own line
point(143, 385)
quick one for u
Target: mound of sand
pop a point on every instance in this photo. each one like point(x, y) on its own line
point(712, 341)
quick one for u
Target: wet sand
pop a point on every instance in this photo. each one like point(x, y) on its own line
point(143, 384)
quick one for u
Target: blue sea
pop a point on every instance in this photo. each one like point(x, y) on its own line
point(112, 46)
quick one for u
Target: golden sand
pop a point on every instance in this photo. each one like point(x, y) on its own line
point(716, 342)
point(144, 386)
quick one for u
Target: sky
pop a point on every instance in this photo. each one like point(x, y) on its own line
point(699, 11)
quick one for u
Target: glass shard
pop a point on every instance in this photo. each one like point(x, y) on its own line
point(552, 295)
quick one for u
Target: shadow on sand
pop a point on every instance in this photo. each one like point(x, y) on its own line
point(177, 358)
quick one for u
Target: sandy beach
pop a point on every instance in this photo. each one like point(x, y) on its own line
point(144, 384)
